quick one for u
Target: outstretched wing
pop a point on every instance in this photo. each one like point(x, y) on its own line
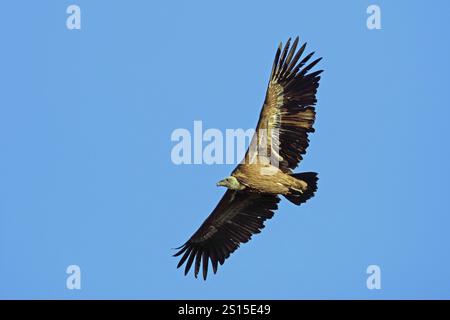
point(238, 216)
point(288, 112)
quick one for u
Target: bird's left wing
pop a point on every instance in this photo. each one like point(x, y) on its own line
point(237, 216)
point(288, 112)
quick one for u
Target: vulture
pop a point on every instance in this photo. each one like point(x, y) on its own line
point(266, 172)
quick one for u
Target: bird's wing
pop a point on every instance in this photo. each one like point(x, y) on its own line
point(238, 216)
point(288, 112)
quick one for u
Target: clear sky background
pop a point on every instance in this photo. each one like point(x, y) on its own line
point(86, 176)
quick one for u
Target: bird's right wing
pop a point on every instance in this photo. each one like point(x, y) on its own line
point(238, 216)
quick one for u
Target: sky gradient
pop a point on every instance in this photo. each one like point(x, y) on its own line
point(86, 177)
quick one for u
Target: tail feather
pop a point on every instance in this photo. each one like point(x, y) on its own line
point(297, 197)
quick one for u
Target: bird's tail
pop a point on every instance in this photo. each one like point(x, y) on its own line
point(298, 197)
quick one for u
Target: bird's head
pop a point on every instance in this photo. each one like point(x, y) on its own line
point(231, 183)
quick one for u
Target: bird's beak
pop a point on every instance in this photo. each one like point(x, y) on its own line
point(221, 183)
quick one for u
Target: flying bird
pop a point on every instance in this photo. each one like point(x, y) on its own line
point(266, 172)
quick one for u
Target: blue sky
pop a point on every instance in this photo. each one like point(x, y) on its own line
point(86, 176)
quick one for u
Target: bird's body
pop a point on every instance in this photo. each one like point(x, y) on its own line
point(267, 179)
point(254, 186)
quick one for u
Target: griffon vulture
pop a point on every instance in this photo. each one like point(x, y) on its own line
point(253, 188)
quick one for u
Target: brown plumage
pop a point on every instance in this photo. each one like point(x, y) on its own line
point(276, 149)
